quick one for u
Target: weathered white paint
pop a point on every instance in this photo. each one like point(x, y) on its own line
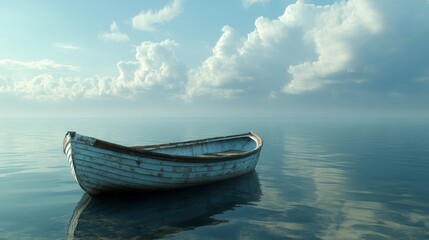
point(101, 167)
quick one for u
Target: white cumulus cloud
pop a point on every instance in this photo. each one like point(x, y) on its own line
point(218, 70)
point(4, 84)
point(156, 67)
point(45, 87)
point(255, 63)
point(373, 44)
point(146, 20)
point(347, 45)
point(336, 32)
point(45, 64)
point(67, 46)
point(114, 34)
point(248, 3)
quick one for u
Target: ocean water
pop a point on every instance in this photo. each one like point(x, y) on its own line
point(316, 179)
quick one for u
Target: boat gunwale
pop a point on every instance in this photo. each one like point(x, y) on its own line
point(134, 151)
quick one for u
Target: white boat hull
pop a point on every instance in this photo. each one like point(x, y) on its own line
point(101, 167)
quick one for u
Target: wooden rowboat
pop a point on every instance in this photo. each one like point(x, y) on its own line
point(102, 167)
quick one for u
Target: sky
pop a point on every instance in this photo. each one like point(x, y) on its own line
point(235, 58)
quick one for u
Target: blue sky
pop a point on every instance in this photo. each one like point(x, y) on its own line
point(214, 58)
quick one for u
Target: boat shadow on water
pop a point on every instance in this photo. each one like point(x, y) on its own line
point(161, 214)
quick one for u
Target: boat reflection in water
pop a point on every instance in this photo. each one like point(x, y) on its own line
point(161, 214)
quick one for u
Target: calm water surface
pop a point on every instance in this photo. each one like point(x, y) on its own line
point(316, 179)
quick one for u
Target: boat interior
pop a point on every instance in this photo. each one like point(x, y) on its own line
point(228, 146)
